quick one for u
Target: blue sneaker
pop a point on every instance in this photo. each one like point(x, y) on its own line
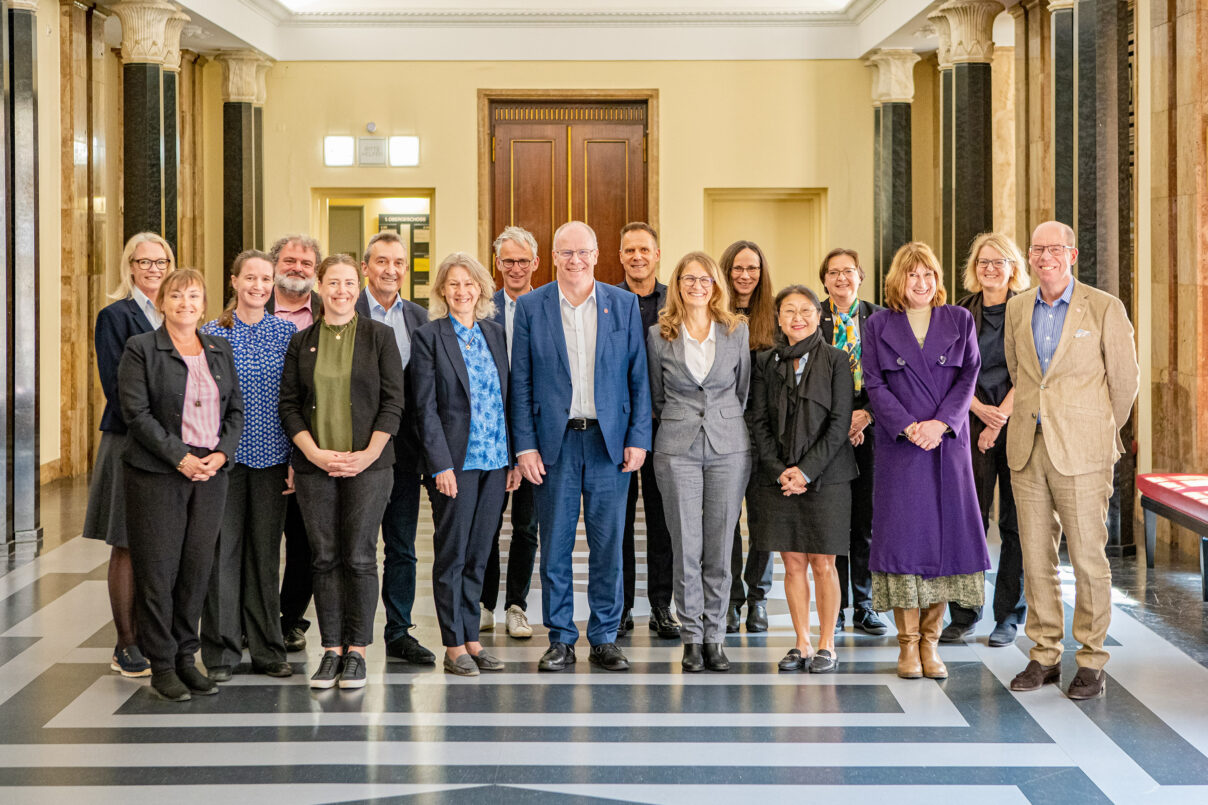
point(130, 662)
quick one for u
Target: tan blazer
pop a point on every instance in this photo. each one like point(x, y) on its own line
point(1088, 392)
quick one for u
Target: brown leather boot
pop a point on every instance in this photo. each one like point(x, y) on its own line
point(931, 621)
point(907, 621)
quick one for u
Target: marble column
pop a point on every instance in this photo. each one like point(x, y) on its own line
point(258, 151)
point(1063, 76)
point(892, 96)
point(171, 100)
point(944, 248)
point(239, 96)
point(7, 262)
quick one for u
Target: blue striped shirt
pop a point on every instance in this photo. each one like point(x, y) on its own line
point(1047, 321)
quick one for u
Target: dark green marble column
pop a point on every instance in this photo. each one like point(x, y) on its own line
point(170, 97)
point(142, 149)
point(878, 259)
point(7, 344)
point(894, 195)
point(242, 146)
point(972, 162)
point(1064, 91)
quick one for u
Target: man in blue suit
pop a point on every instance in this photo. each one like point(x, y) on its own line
point(581, 421)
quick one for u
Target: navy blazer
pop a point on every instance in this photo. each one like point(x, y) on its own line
point(377, 389)
point(115, 325)
point(443, 405)
point(152, 379)
point(541, 384)
point(827, 325)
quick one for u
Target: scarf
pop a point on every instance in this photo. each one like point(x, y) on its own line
point(793, 434)
point(847, 340)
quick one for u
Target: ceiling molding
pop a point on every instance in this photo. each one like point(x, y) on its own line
point(512, 17)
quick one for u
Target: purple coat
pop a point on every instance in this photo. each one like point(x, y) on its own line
point(926, 519)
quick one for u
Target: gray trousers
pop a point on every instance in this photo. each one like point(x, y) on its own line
point(702, 498)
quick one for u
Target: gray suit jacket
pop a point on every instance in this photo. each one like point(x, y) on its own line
point(685, 407)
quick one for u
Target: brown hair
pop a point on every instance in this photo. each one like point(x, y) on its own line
point(911, 255)
point(761, 321)
point(840, 252)
point(672, 314)
point(179, 279)
point(227, 317)
point(305, 241)
point(640, 226)
point(1007, 248)
point(338, 260)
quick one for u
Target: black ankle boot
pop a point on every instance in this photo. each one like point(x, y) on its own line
point(715, 657)
point(692, 661)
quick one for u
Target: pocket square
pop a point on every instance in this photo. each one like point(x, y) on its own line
point(1081, 333)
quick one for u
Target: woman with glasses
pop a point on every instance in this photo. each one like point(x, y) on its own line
point(994, 273)
point(700, 366)
point(147, 259)
point(745, 270)
point(928, 547)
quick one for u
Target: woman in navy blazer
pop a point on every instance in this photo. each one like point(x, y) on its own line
point(147, 259)
point(462, 417)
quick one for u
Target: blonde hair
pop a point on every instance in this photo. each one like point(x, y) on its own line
point(912, 255)
point(484, 309)
point(672, 314)
point(125, 288)
point(1006, 247)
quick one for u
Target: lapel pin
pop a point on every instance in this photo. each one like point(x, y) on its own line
point(943, 359)
point(901, 361)
point(312, 349)
point(605, 310)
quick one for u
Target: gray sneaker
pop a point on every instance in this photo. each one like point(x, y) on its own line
point(517, 622)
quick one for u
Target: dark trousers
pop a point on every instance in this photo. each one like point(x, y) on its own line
point(584, 473)
point(461, 541)
point(172, 524)
point(853, 568)
point(521, 553)
point(296, 579)
point(659, 572)
point(243, 598)
point(398, 541)
point(990, 468)
point(757, 574)
point(342, 518)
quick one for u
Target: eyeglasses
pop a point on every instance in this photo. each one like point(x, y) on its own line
point(810, 312)
point(689, 280)
point(1054, 250)
point(143, 264)
point(1000, 263)
point(744, 270)
point(524, 262)
point(847, 272)
point(582, 254)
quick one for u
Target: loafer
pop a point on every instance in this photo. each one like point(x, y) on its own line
point(824, 662)
point(956, 632)
point(757, 617)
point(487, 662)
point(866, 621)
point(557, 657)
point(464, 665)
point(130, 662)
point(608, 657)
point(1034, 676)
point(408, 649)
point(195, 680)
point(219, 673)
point(626, 624)
point(793, 661)
point(295, 639)
point(1088, 684)
point(517, 623)
point(278, 670)
point(486, 619)
point(1003, 635)
point(664, 623)
point(328, 672)
point(168, 685)
point(733, 618)
point(352, 675)
point(840, 622)
point(715, 657)
point(693, 660)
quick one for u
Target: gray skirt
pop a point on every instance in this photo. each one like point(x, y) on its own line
point(105, 518)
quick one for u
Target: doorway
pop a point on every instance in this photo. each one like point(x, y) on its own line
point(787, 223)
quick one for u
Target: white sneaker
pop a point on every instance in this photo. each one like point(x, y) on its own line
point(518, 625)
point(486, 622)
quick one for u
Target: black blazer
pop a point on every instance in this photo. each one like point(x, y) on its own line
point(152, 380)
point(827, 325)
point(443, 403)
point(377, 389)
point(407, 453)
point(115, 324)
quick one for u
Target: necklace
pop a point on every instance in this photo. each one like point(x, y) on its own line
point(196, 389)
point(339, 333)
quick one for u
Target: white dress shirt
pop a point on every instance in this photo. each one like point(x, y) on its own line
point(395, 319)
point(509, 318)
point(154, 317)
point(698, 355)
point(579, 326)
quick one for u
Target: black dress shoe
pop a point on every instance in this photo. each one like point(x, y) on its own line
point(295, 639)
point(824, 662)
point(693, 661)
point(626, 623)
point(866, 621)
point(280, 670)
point(557, 657)
point(219, 673)
point(664, 623)
point(757, 617)
point(733, 618)
point(608, 657)
point(407, 648)
point(715, 657)
point(956, 632)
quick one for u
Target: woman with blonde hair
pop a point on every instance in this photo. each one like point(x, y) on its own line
point(928, 545)
point(700, 368)
point(994, 272)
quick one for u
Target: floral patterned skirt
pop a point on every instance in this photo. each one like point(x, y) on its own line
point(900, 591)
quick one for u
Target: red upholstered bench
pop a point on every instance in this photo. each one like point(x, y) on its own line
point(1181, 498)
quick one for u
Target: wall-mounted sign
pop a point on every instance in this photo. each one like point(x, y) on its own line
point(371, 151)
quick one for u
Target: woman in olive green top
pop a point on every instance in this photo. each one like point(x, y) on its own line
point(341, 402)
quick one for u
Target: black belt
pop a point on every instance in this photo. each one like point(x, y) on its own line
point(581, 423)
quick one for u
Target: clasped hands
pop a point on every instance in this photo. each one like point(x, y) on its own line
point(792, 482)
point(340, 464)
point(201, 469)
point(926, 435)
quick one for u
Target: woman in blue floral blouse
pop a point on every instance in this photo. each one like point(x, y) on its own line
point(462, 414)
point(243, 599)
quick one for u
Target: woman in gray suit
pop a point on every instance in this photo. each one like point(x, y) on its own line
point(700, 367)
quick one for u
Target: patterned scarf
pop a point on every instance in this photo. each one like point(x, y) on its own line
point(848, 340)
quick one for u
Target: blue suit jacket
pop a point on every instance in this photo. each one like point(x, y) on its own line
point(541, 385)
point(115, 325)
point(500, 317)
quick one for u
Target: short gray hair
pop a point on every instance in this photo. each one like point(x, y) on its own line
point(385, 236)
point(438, 308)
point(518, 235)
point(595, 242)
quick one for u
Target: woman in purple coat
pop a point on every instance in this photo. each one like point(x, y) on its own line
point(928, 547)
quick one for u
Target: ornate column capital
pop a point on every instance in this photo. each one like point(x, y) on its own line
point(261, 72)
point(239, 75)
point(172, 30)
point(876, 81)
point(24, 5)
point(895, 75)
point(144, 29)
point(971, 29)
point(943, 32)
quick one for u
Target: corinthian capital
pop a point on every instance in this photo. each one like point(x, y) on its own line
point(895, 75)
point(971, 29)
point(144, 30)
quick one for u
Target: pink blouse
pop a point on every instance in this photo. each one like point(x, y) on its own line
point(202, 415)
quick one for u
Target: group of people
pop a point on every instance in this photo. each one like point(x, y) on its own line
point(868, 443)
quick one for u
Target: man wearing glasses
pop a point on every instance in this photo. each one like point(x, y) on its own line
point(1070, 353)
point(580, 421)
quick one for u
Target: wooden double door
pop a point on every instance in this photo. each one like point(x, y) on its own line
point(553, 162)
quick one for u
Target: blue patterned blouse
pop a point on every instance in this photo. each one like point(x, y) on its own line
point(488, 445)
point(259, 359)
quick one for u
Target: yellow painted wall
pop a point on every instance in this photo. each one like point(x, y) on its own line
point(722, 124)
point(49, 199)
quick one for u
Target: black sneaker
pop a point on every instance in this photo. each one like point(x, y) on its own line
point(295, 639)
point(353, 674)
point(196, 681)
point(328, 673)
point(408, 649)
point(168, 685)
point(866, 621)
point(130, 662)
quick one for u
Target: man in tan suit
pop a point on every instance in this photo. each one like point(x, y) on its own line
point(1073, 362)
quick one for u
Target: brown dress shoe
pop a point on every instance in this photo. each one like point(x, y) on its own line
point(1035, 675)
point(907, 621)
point(1088, 684)
point(931, 621)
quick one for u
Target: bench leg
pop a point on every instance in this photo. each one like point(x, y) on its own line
point(1204, 567)
point(1151, 536)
